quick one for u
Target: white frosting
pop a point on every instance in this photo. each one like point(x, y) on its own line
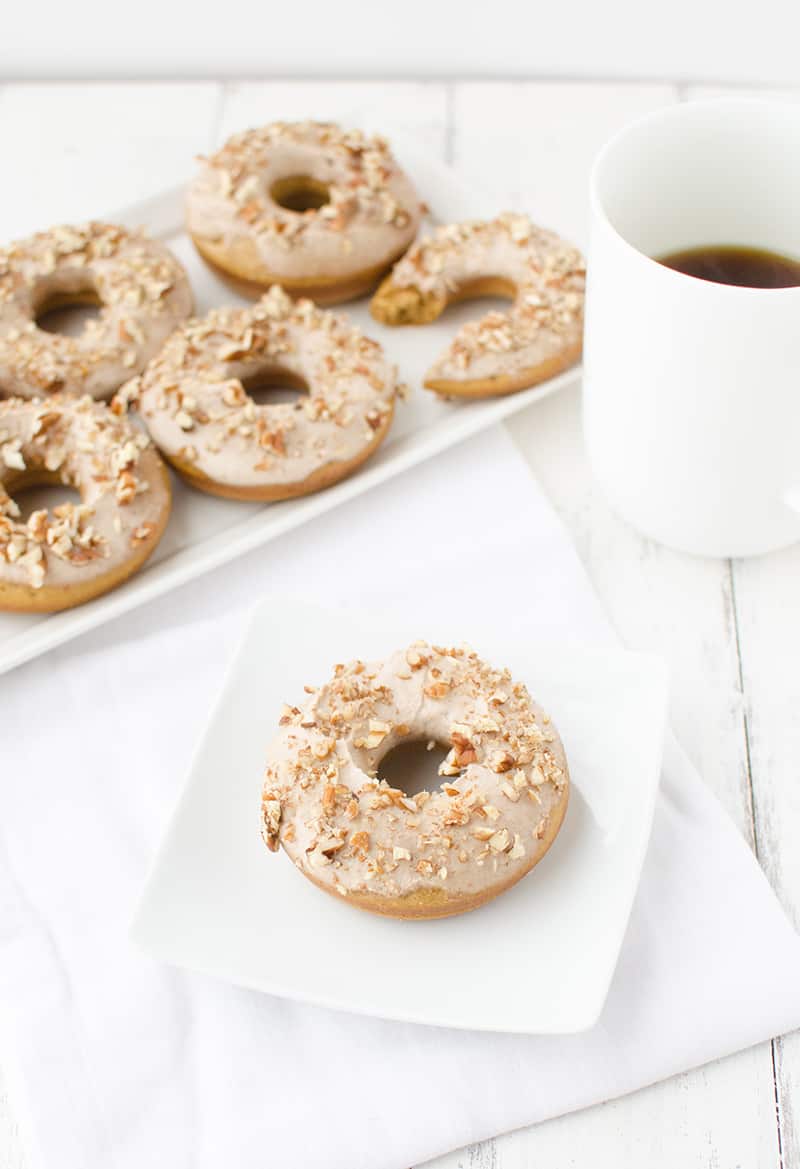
point(372, 214)
point(504, 776)
point(142, 288)
point(112, 465)
point(196, 408)
point(546, 315)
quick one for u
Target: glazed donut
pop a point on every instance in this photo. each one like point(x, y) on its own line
point(500, 805)
point(504, 351)
point(142, 289)
point(66, 556)
point(194, 403)
point(321, 210)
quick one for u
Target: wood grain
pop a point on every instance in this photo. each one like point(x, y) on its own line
point(765, 592)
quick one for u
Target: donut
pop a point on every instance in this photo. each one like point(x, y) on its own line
point(75, 552)
point(321, 210)
point(142, 289)
point(503, 352)
point(195, 404)
point(504, 790)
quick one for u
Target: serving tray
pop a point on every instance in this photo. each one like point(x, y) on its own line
point(205, 532)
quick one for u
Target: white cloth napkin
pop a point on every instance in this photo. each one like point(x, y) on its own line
point(117, 1062)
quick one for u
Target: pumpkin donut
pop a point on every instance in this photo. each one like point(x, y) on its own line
point(320, 210)
point(503, 352)
point(75, 552)
point(194, 401)
point(500, 805)
point(142, 289)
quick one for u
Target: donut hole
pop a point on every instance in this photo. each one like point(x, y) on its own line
point(68, 310)
point(40, 492)
point(274, 386)
point(413, 765)
point(489, 288)
point(300, 193)
point(407, 305)
point(476, 299)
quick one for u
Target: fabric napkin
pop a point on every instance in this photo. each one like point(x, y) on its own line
point(117, 1062)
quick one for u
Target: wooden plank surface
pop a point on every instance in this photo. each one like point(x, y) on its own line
point(765, 592)
point(727, 630)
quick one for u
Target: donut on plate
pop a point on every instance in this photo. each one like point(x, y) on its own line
point(503, 795)
point(539, 336)
point(320, 210)
point(62, 557)
point(194, 400)
point(142, 290)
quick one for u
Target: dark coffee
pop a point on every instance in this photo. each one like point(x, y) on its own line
point(729, 264)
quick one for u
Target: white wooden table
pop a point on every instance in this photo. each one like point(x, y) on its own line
point(729, 630)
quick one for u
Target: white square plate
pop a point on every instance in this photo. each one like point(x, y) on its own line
point(537, 959)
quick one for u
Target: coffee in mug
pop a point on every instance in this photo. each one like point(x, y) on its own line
point(732, 264)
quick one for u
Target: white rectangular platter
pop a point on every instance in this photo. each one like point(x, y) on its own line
point(205, 532)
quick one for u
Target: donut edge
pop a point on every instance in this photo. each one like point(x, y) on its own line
point(240, 268)
point(325, 476)
point(435, 903)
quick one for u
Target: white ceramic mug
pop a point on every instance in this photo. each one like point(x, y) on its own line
point(691, 388)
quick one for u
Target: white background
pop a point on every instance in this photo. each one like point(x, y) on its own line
point(730, 630)
point(718, 40)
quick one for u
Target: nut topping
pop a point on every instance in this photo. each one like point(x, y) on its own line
point(360, 834)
